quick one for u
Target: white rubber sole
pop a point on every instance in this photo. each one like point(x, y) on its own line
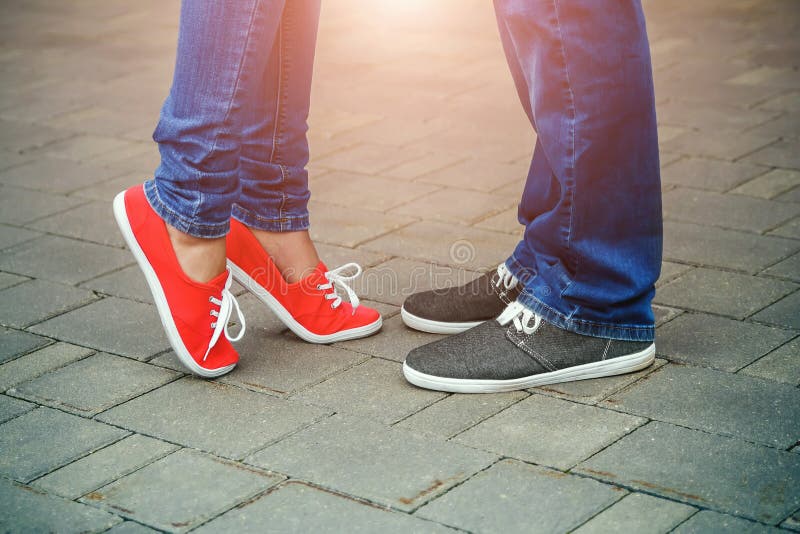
point(302, 332)
point(434, 327)
point(121, 215)
point(614, 366)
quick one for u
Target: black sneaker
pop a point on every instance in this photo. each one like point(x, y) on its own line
point(455, 309)
point(517, 351)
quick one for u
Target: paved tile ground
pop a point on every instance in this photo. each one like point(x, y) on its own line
point(419, 152)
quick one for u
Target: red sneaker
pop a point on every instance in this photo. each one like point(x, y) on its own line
point(194, 315)
point(311, 308)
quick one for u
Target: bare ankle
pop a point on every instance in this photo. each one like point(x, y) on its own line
point(201, 259)
point(293, 253)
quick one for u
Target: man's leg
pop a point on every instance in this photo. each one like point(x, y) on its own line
point(175, 224)
point(591, 207)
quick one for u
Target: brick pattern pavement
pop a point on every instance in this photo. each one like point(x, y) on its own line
point(419, 151)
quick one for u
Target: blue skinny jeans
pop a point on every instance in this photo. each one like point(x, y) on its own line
point(232, 132)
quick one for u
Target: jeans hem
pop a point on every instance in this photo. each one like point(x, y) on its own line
point(287, 223)
point(180, 222)
point(577, 326)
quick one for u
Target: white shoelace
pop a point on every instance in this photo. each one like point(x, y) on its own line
point(226, 305)
point(505, 278)
point(521, 317)
point(336, 279)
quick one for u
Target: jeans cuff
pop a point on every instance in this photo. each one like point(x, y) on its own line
point(579, 326)
point(290, 222)
point(180, 222)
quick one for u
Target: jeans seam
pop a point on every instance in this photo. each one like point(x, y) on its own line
point(573, 135)
point(583, 321)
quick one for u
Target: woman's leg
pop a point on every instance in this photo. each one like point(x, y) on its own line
point(269, 248)
point(175, 224)
point(220, 60)
point(273, 177)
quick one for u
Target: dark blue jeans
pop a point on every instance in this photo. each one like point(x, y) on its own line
point(591, 206)
point(232, 132)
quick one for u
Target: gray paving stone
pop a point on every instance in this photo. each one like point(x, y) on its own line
point(516, 497)
point(505, 221)
point(82, 223)
point(447, 244)
point(17, 136)
point(11, 408)
point(11, 235)
point(348, 227)
point(594, 390)
point(543, 430)
point(93, 384)
point(108, 189)
point(333, 256)
point(28, 450)
point(788, 101)
point(483, 175)
point(638, 512)
point(104, 466)
point(670, 271)
point(790, 196)
point(63, 260)
point(708, 522)
point(788, 268)
point(738, 212)
point(20, 206)
point(720, 145)
point(723, 248)
point(781, 365)
point(8, 280)
point(218, 418)
point(56, 175)
point(717, 402)
point(395, 280)
point(136, 328)
point(785, 154)
point(130, 527)
point(37, 300)
point(421, 166)
point(181, 490)
point(394, 341)
point(128, 283)
point(374, 389)
point(455, 205)
point(389, 466)
point(792, 523)
point(284, 364)
point(664, 314)
point(13, 343)
point(791, 229)
point(23, 509)
point(717, 342)
point(710, 174)
point(724, 293)
point(716, 472)
point(367, 192)
point(456, 413)
point(785, 312)
point(94, 148)
point(39, 362)
point(715, 117)
point(771, 184)
point(368, 158)
point(299, 507)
